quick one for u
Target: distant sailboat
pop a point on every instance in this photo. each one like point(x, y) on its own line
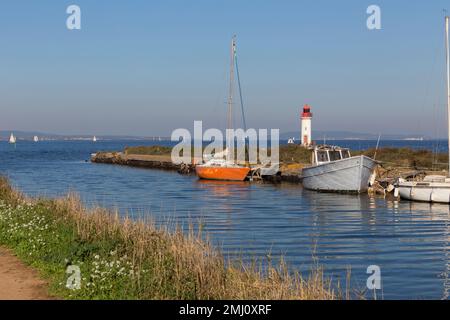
point(94, 139)
point(12, 139)
point(36, 139)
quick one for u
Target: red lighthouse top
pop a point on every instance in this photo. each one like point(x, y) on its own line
point(306, 112)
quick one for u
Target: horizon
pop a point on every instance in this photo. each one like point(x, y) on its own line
point(318, 135)
point(148, 68)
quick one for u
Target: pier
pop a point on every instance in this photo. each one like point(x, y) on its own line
point(162, 162)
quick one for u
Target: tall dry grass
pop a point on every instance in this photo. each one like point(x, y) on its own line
point(191, 265)
point(174, 264)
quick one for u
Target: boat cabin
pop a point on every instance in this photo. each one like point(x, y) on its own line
point(325, 154)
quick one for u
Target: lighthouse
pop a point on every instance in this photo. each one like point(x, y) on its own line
point(305, 133)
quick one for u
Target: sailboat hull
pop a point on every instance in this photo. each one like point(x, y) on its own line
point(348, 175)
point(425, 191)
point(222, 173)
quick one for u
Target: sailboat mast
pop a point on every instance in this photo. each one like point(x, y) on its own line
point(230, 93)
point(447, 56)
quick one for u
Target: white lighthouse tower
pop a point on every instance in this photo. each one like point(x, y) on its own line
point(305, 134)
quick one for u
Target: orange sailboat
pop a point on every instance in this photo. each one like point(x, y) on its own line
point(219, 168)
point(222, 170)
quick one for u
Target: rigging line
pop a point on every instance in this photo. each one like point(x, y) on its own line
point(240, 91)
point(244, 122)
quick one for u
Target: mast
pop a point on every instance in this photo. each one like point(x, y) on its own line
point(240, 89)
point(447, 56)
point(230, 93)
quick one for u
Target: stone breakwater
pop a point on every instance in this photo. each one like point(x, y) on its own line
point(161, 162)
point(164, 162)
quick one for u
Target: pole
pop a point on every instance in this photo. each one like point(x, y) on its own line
point(230, 96)
point(448, 84)
point(376, 149)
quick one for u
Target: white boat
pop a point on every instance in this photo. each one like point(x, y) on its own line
point(36, 139)
point(434, 188)
point(430, 189)
point(291, 141)
point(335, 170)
point(94, 139)
point(12, 139)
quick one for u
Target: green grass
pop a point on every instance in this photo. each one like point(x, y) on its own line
point(295, 154)
point(123, 259)
point(408, 158)
point(148, 150)
point(288, 153)
point(390, 157)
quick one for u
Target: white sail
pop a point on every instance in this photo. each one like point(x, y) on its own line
point(94, 139)
point(12, 139)
point(36, 139)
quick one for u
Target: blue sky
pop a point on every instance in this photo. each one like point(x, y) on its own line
point(148, 67)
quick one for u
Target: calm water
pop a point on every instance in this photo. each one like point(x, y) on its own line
point(409, 241)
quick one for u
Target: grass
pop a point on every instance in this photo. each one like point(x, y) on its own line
point(295, 154)
point(288, 153)
point(123, 259)
point(409, 158)
point(406, 158)
point(148, 150)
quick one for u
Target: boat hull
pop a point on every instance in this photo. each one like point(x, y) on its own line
point(425, 191)
point(222, 173)
point(348, 175)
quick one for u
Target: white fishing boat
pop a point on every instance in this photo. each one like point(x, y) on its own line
point(432, 188)
point(12, 139)
point(36, 139)
point(335, 170)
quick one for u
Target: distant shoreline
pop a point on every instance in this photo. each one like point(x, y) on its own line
point(100, 138)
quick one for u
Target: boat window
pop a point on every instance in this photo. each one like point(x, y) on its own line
point(335, 155)
point(322, 156)
point(345, 154)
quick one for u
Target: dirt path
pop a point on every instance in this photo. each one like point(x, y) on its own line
point(19, 282)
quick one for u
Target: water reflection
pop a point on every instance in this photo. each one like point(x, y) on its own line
point(424, 211)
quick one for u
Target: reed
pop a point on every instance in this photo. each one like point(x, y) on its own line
point(124, 259)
